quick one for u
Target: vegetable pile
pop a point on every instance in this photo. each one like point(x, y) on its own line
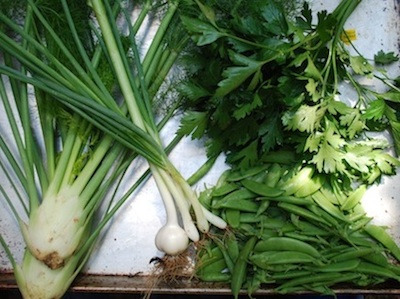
point(290, 230)
point(270, 98)
point(263, 86)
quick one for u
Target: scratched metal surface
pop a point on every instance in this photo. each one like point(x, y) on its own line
point(127, 245)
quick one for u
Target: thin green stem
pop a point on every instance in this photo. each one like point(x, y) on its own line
point(144, 10)
point(163, 72)
point(119, 65)
point(26, 174)
point(84, 82)
point(154, 66)
point(3, 243)
point(68, 155)
point(100, 88)
point(18, 195)
point(158, 39)
point(142, 93)
point(99, 185)
point(90, 169)
point(48, 127)
point(71, 155)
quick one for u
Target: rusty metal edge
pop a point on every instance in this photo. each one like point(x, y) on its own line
point(139, 284)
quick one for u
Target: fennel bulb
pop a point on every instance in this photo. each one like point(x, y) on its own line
point(51, 236)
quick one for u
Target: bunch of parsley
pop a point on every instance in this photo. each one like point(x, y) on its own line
point(267, 79)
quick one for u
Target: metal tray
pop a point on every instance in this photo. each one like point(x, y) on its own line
point(120, 261)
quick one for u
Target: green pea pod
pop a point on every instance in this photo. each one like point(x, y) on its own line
point(394, 268)
point(360, 223)
point(232, 217)
point(308, 238)
point(285, 275)
point(339, 266)
point(259, 177)
point(314, 184)
point(202, 171)
point(244, 205)
point(267, 258)
point(240, 269)
point(354, 198)
point(357, 213)
point(329, 194)
point(330, 208)
point(305, 213)
point(224, 189)
point(373, 269)
point(261, 189)
point(382, 236)
point(377, 258)
point(323, 214)
point(233, 196)
point(361, 238)
point(298, 180)
point(334, 249)
point(227, 259)
point(280, 268)
point(323, 286)
point(290, 199)
point(232, 246)
point(215, 267)
point(273, 175)
point(286, 244)
point(252, 218)
point(303, 280)
point(273, 223)
point(238, 175)
point(248, 229)
point(352, 253)
point(308, 228)
point(262, 207)
point(209, 256)
point(205, 197)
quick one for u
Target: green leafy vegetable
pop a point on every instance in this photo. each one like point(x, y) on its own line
point(385, 58)
point(273, 99)
point(265, 98)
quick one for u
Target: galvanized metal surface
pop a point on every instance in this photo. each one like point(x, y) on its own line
point(140, 285)
point(127, 246)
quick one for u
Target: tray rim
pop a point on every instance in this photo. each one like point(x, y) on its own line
point(139, 284)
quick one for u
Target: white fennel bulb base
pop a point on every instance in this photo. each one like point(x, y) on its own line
point(56, 227)
point(37, 281)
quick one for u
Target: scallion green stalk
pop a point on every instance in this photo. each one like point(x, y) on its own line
point(172, 186)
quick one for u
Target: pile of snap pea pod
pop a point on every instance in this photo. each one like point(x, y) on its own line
point(293, 229)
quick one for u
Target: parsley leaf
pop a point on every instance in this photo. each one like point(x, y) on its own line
point(269, 81)
point(275, 18)
point(236, 75)
point(247, 108)
point(360, 65)
point(385, 58)
point(305, 118)
point(204, 33)
point(330, 155)
point(375, 110)
point(193, 123)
